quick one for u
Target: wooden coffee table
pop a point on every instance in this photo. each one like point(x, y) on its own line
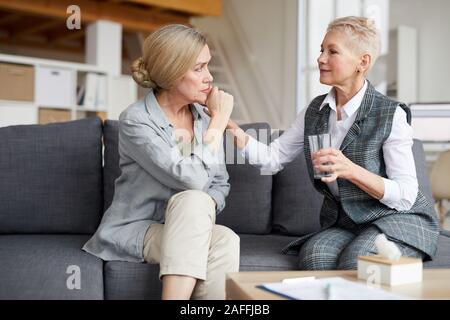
point(242, 285)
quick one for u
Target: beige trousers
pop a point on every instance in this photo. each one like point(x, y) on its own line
point(190, 243)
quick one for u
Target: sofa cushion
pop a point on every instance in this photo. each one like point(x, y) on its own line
point(263, 253)
point(248, 205)
point(132, 281)
point(51, 177)
point(37, 267)
point(111, 169)
point(296, 203)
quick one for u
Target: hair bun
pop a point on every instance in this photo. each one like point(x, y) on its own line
point(140, 74)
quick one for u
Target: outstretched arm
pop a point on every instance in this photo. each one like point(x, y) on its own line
point(273, 157)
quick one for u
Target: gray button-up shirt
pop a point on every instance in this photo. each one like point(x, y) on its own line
point(153, 169)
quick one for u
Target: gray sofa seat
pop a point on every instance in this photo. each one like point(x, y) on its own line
point(51, 200)
point(36, 266)
point(263, 253)
point(54, 190)
point(125, 280)
point(131, 281)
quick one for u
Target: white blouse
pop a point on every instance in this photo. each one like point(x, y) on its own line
point(401, 187)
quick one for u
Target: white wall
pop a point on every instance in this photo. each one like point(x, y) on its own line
point(262, 27)
point(431, 18)
point(259, 38)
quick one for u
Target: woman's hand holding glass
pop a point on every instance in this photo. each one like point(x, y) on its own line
point(335, 162)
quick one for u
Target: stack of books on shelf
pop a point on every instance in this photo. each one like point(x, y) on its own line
point(91, 91)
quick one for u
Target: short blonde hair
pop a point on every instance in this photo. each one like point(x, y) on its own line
point(167, 54)
point(362, 32)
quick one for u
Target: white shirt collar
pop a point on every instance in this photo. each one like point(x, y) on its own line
point(351, 106)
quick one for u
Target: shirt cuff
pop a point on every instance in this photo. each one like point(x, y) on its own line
point(218, 198)
point(391, 193)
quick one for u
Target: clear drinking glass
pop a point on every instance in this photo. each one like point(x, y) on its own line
point(316, 143)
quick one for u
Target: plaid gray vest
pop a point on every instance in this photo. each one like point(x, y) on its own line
point(417, 227)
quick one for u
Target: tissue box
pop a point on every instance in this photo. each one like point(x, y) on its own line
point(380, 270)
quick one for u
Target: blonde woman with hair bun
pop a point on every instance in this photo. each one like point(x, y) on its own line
point(173, 178)
point(370, 187)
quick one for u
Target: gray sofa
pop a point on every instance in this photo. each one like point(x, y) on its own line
point(55, 185)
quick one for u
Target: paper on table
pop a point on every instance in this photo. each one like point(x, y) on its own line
point(319, 290)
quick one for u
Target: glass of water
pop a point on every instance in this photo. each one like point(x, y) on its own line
point(316, 143)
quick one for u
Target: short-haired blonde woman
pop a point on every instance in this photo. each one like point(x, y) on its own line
point(173, 180)
point(373, 187)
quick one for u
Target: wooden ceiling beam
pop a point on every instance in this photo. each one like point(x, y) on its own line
point(10, 18)
point(40, 45)
point(32, 26)
point(61, 35)
point(196, 7)
point(131, 18)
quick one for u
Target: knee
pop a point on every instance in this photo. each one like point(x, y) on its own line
point(225, 242)
point(226, 237)
point(347, 263)
point(364, 245)
point(316, 256)
point(193, 197)
point(348, 260)
point(191, 201)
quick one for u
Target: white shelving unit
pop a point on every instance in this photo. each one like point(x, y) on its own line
point(13, 112)
point(431, 124)
point(51, 63)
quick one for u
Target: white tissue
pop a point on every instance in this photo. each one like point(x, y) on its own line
point(387, 248)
